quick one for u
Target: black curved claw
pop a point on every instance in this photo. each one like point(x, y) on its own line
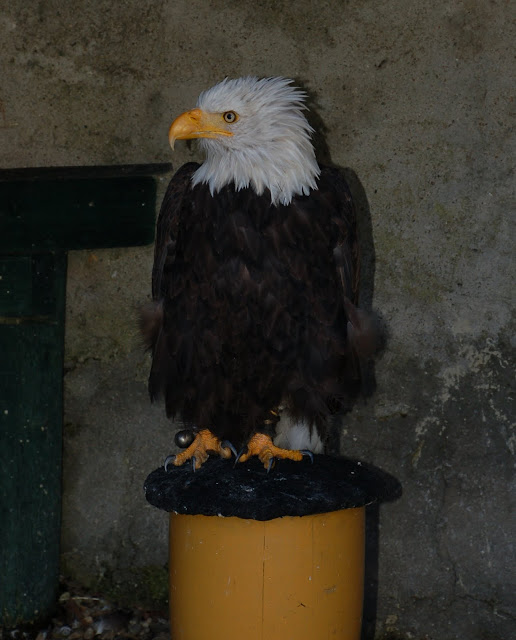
point(194, 460)
point(307, 452)
point(239, 455)
point(226, 444)
point(168, 460)
point(270, 464)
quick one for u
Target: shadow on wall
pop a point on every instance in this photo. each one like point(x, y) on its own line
point(392, 492)
point(367, 274)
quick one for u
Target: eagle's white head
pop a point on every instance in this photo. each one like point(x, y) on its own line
point(254, 134)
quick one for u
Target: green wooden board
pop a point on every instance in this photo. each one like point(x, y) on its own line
point(43, 213)
point(31, 402)
point(76, 214)
point(24, 286)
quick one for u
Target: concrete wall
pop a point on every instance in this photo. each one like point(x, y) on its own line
point(415, 98)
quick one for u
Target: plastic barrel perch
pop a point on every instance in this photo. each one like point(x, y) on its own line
point(276, 556)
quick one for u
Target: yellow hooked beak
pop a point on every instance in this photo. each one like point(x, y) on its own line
point(197, 124)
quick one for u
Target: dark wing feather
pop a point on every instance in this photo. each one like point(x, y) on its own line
point(360, 327)
point(167, 225)
point(151, 315)
point(346, 251)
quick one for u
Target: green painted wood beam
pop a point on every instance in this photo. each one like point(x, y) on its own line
point(44, 213)
point(31, 399)
point(75, 209)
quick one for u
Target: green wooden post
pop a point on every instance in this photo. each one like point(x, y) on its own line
point(43, 213)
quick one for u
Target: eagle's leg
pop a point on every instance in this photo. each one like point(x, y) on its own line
point(204, 444)
point(261, 445)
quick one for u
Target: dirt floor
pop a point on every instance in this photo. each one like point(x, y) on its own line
point(84, 616)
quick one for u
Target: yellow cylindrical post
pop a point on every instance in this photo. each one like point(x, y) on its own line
point(290, 578)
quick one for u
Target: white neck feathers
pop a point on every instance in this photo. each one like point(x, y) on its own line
point(270, 147)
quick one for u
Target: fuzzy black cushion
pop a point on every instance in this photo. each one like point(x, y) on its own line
point(290, 489)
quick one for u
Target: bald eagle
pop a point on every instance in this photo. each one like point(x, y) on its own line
point(255, 280)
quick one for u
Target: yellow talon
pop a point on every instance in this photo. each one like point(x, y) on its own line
point(262, 446)
point(204, 444)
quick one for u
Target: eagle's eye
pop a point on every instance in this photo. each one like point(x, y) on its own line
point(230, 117)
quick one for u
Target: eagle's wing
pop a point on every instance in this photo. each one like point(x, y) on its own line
point(151, 315)
point(346, 253)
point(167, 226)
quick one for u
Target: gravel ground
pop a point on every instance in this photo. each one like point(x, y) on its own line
point(84, 616)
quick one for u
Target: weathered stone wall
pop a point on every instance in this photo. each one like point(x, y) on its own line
point(416, 99)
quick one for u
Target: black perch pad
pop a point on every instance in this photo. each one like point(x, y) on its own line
point(290, 489)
